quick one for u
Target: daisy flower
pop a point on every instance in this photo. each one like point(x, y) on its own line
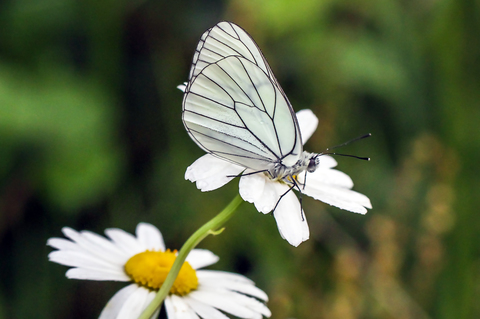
point(325, 184)
point(144, 261)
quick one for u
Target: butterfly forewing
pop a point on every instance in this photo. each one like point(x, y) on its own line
point(234, 107)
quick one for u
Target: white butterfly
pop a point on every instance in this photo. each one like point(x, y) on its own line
point(235, 109)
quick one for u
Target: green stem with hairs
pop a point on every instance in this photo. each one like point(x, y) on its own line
point(212, 227)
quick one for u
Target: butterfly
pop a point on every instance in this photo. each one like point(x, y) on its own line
point(235, 109)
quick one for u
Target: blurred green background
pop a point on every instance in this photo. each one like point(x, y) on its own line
point(91, 137)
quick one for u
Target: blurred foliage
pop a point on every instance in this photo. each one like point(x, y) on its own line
point(91, 137)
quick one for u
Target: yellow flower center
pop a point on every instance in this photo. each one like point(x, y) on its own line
point(150, 268)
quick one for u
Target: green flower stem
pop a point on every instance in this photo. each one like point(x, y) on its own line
point(211, 227)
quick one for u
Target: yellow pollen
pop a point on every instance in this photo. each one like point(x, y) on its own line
point(150, 268)
point(289, 180)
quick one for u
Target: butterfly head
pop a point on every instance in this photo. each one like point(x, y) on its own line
point(313, 162)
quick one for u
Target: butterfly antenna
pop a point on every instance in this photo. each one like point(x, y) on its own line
point(349, 142)
point(348, 155)
point(346, 143)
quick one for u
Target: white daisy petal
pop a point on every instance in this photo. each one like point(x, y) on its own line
point(327, 161)
point(182, 87)
point(251, 187)
point(223, 302)
point(251, 304)
point(136, 303)
point(95, 245)
point(327, 177)
point(81, 260)
point(199, 258)
point(340, 197)
point(248, 290)
point(169, 308)
point(204, 310)
point(96, 274)
point(63, 244)
point(267, 200)
point(211, 173)
point(70, 233)
point(291, 221)
point(308, 122)
point(177, 308)
point(219, 281)
point(105, 249)
point(125, 241)
point(115, 304)
point(150, 237)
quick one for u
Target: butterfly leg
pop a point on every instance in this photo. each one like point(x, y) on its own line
point(282, 197)
point(295, 185)
point(251, 173)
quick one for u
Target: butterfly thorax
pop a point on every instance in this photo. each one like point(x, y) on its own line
point(307, 162)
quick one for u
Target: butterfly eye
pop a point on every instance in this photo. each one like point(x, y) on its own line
point(312, 165)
